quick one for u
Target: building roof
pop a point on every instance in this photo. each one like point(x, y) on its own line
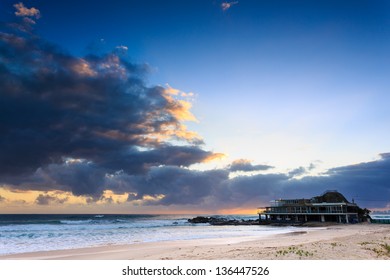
point(330, 197)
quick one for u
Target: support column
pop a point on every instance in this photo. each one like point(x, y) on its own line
point(322, 218)
point(346, 218)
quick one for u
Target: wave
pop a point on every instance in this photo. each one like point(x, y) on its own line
point(81, 231)
point(97, 221)
point(76, 222)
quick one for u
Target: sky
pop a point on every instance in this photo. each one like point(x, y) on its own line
point(192, 106)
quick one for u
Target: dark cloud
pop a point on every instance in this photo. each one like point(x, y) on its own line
point(385, 156)
point(45, 199)
point(135, 161)
point(246, 165)
point(251, 191)
point(106, 199)
point(55, 106)
point(300, 171)
point(367, 183)
point(80, 178)
point(297, 171)
point(176, 185)
point(211, 189)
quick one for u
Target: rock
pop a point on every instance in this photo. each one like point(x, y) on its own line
point(222, 221)
point(200, 220)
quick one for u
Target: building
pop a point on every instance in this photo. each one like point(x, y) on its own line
point(331, 206)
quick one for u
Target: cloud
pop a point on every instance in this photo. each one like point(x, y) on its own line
point(22, 11)
point(246, 165)
point(123, 48)
point(28, 15)
point(45, 199)
point(177, 185)
point(79, 178)
point(227, 5)
point(68, 121)
point(367, 183)
point(106, 199)
point(28, 21)
point(252, 191)
point(385, 156)
point(2, 199)
point(297, 171)
point(175, 91)
point(301, 171)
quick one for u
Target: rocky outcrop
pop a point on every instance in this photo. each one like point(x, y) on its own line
point(222, 221)
point(219, 221)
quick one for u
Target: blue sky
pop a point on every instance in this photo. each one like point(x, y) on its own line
point(285, 84)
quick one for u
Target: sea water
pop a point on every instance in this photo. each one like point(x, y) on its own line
point(33, 233)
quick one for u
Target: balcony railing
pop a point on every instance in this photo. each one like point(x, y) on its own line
point(302, 210)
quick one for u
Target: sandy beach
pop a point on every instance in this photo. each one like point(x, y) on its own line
point(333, 242)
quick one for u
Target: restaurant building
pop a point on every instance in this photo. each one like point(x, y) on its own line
point(331, 206)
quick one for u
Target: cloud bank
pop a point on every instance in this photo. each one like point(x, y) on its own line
point(68, 121)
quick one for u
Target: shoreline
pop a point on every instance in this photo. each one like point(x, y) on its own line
point(345, 242)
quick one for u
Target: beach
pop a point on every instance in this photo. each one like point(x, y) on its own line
point(363, 241)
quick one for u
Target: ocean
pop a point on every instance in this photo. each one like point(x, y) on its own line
point(33, 233)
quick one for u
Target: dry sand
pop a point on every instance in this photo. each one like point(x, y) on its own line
point(335, 242)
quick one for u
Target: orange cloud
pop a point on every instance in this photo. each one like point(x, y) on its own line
point(83, 68)
point(173, 91)
point(213, 157)
point(22, 11)
point(180, 109)
point(31, 197)
point(110, 197)
point(177, 131)
point(183, 113)
point(241, 161)
point(63, 198)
